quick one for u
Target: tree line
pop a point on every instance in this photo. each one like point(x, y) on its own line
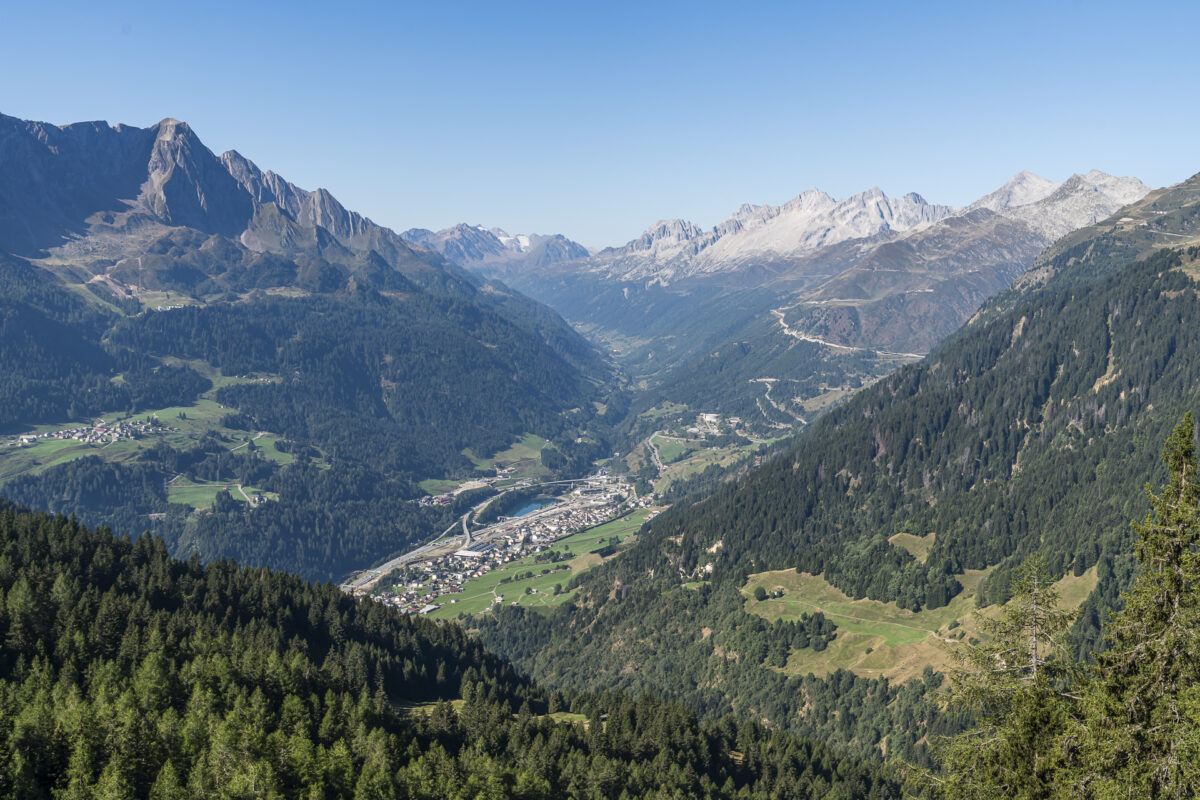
point(125, 673)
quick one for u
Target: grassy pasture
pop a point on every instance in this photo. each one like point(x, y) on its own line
point(523, 456)
point(189, 423)
point(916, 546)
point(434, 486)
point(881, 639)
point(665, 410)
point(671, 449)
point(201, 495)
point(699, 460)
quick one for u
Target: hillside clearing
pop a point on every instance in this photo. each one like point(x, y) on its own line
point(877, 639)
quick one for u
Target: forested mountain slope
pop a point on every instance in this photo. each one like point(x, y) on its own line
point(1032, 430)
point(141, 273)
point(125, 673)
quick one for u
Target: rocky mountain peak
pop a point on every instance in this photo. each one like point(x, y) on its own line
point(186, 184)
point(171, 128)
point(812, 200)
point(1078, 201)
point(1021, 189)
point(667, 238)
point(672, 229)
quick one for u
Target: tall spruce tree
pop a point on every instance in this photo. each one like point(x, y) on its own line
point(1140, 731)
point(1013, 682)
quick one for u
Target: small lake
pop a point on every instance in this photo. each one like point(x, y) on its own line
point(528, 508)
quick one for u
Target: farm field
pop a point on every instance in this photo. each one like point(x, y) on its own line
point(479, 593)
point(699, 460)
point(523, 457)
point(434, 486)
point(881, 639)
point(150, 299)
point(200, 495)
point(671, 449)
point(666, 410)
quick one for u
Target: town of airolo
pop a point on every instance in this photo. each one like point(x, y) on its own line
point(835, 436)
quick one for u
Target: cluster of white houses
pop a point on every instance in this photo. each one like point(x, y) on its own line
point(714, 425)
point(426, 585)
point(101, 432)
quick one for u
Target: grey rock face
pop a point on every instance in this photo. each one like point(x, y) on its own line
point(53, 178)
point(186, 185)
point(102, 191)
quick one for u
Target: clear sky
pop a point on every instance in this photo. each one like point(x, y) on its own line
point(596, 119)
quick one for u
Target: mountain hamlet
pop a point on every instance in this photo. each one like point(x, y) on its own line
point(831, 500)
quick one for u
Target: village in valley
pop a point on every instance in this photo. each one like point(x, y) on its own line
point(529, 556)
point(532, 538)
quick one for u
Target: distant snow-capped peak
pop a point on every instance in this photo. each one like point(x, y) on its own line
point(519, 243)
point(495, 250)
point(671, 249)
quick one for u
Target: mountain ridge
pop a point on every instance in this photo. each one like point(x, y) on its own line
point(58, 204)
point(673, 249)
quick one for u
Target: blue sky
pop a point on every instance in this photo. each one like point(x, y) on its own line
point(594, 120)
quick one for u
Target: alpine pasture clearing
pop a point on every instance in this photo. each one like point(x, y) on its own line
point(524, 457)
point(876, 639)
point(915, 546)
point(671, 449)
point(699, 460)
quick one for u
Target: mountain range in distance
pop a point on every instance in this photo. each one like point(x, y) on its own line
point(780, 311)
point(757, 234)
point(493, 251)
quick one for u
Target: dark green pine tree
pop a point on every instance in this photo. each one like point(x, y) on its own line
point(1140, 733)
point(1013, 683)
